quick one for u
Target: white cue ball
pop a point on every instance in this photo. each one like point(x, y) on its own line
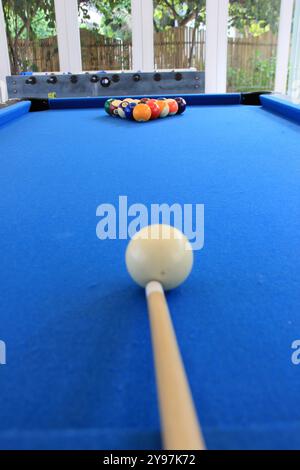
point(159, 253)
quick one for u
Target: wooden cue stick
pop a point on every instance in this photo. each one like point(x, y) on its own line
point(180, 427)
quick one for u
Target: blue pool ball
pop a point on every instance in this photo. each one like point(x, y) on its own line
point(121, 108)
point(129, 110)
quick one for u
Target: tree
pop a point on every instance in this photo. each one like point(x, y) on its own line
point(254, 16)
point(173, 13)
point(31, 19)
point(250, 17)
point(115, 21)
point(243, 14)
point(26, 20)
point(22, 15)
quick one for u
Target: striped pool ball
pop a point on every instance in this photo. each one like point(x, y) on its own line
point(173, 106)
point(121, 108)
point(164, 108)
point(181, 105)
point(141, 112)
point(144, 100)
point(107, 105)
point(113, 108)
point(155, 109)
point(129, 110)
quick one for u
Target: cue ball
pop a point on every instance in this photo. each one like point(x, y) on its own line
point(159, 253)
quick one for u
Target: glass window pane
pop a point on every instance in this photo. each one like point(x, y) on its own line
point(252, 44)
point(105, 34)
point(179, 34)
point(31, 35)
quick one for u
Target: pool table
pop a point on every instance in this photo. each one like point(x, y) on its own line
point(79, 371)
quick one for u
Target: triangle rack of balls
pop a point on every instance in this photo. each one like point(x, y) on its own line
point(144, 109)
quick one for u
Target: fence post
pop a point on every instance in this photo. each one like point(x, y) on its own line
point(68, 37)
point(142, 35)
point(283, 45)
point(216, 46)
point(4, 57)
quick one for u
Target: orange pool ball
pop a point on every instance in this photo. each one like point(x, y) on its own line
point(173, 106)
point(141, 112)
point(164, 108)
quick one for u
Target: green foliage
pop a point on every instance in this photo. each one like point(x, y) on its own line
point(248, 16)
point(42, 26)
point(115, 21)
point(171, 13)
point(259, 75)
point(29, 19)
point(35, 19)
point(255, 15)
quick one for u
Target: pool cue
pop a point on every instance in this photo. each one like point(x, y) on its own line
point(180, 427)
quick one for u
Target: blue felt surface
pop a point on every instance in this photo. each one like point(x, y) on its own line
point(79, 370)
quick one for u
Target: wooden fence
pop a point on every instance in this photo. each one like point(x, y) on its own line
point(251, 61)
point(40, 55)
point(179, 48)
point(102, 53)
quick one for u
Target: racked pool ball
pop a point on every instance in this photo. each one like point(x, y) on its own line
point(107, 105)
point(121, 108)
point(141, 112)
point(164, 108)
point(181, 105)
point(173, 106)
point(113, 108)
point(155, 109)
point(129, 110)
point(144, 100)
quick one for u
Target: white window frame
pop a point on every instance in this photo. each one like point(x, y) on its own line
point(68, 35)
point(283, 45)
point(4, 57)
point(216, 46)
point(142, 35)
point(294, 77)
